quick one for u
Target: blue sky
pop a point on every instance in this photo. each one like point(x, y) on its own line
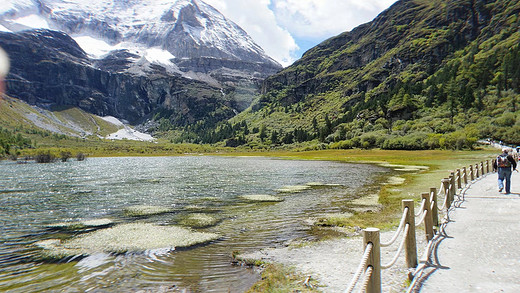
point(285, 29)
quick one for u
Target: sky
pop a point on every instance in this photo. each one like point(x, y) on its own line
point(285, 29)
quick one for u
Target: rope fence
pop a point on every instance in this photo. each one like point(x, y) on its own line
point(428, 213)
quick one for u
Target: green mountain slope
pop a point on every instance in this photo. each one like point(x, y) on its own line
point(423, 74)
point(24, 126)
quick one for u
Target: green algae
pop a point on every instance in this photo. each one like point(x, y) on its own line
point(95, 223)
point(145, 210)
point(333, 219)
point(134, 237)
point(199, 220)
point(261, 198)
point(293, 188)
point(321, 184)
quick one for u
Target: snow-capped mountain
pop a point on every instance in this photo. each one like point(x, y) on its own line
point(132, 59)
point(161, 31)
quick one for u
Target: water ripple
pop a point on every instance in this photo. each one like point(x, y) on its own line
point(34, 196)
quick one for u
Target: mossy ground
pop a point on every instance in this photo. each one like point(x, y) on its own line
point(145, 210)
point(199, 220)
point(261, 198)
point(133, 237)
point(277, 278)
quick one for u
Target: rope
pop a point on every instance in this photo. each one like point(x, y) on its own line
point(368, 275)
point(431, 196)
point(432, 205)
point(444, 203)
point(398, 232)
point(441, 189)
point(422, 218)
point(360, 268)
point(399, 250)
point(421, 208)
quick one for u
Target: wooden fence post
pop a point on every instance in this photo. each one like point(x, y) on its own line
point(482, 169)
point(477, 171)
point(459, 175)
point(452, 185)
point(411, 244)
point(472, 175)
point(446, 187)
point(487, 166)
point(371, 235)
point(435, 208)
point(465, 177)
point(428, 220)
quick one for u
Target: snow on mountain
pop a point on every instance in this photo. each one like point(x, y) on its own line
point(11, 6)
point(98, 48)
point(126, 132)
point(4, 29)
point(184, 28)
point(94, 47)
point(33, 21)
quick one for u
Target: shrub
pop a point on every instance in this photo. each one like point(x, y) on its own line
point(459, 140)
point(414, 141)
point(45, 157)
point(64, 156)
point(80, 156)
point(344, 144)
point(507, 119)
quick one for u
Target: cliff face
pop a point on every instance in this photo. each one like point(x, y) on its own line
point(49, 69)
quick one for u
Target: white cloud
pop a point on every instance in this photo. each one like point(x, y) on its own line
point(277, 25)
point(255, 17)
point(325, 18)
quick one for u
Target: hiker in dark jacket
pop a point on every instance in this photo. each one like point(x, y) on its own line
point(503, 164)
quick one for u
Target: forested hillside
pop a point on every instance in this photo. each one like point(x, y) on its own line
point(423, 74)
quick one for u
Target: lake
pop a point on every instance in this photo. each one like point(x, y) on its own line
point(34, 197)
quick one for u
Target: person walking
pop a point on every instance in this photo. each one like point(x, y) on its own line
point(503, 164)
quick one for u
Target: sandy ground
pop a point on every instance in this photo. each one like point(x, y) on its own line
point(333, 262)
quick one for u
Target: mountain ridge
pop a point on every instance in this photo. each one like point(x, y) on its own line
point(397, 79)
point(211, 71)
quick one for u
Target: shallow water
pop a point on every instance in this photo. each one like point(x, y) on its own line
point(34, 196)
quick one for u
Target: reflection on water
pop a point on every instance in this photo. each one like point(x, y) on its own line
point(34, 196)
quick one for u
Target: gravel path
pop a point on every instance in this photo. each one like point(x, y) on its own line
point(478, 250)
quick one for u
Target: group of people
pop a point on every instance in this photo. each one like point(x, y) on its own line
point(505, 164)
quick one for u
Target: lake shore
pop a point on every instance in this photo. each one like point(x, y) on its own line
point(332, 263)
point(417, 172)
